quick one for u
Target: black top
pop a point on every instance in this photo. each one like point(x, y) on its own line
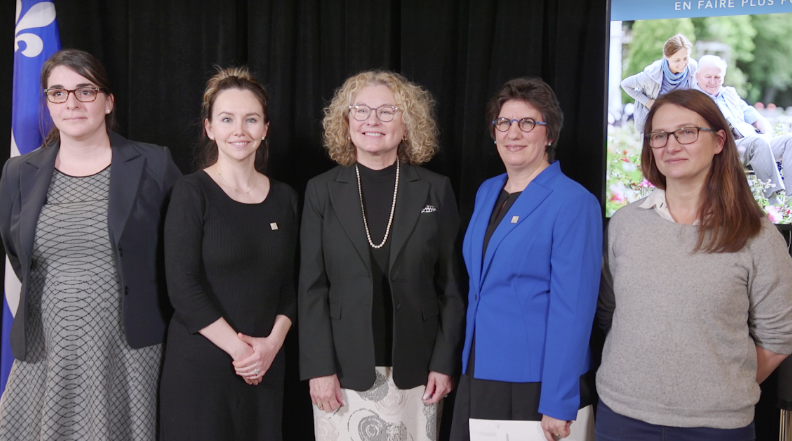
point(378, 186)
point(230, 259)
point(502, 206)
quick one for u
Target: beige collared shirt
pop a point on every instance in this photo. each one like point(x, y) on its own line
point(657, 201)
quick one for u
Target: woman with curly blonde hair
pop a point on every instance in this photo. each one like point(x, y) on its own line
point(380, 305)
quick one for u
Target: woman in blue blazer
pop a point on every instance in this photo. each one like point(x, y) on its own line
point(533, 252)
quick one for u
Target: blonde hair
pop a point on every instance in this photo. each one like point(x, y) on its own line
point(230, 78)
point(675, 44)
point(415, 103)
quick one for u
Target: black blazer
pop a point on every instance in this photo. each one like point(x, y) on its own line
point(336, 286)
point(141, 179)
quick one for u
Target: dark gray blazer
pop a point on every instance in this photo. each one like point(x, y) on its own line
point(336, 286)
point(141, 179)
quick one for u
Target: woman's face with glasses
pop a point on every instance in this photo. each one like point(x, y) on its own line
point(376, 141)
point(517, 148)
point(75, 119)
point(684, 163)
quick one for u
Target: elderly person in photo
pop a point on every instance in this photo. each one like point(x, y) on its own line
point(753, 134)
point(676, 70)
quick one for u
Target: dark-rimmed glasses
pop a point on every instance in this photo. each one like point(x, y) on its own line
point(684, 135)
point(525, 124)
point(385, 112)
point(82, 94)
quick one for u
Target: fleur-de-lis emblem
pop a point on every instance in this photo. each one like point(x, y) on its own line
point(40, 15)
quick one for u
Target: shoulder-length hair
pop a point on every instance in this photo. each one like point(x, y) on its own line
point(728, 214)
point(238, 78)
point(415, 103)
point(85, 65)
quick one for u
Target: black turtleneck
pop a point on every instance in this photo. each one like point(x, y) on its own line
point(378, 186)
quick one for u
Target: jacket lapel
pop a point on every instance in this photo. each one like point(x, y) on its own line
point(125, 173)
point(35, 179)
point(410, 200)
point(531, 198)
point(345, 197)
point(480, 221)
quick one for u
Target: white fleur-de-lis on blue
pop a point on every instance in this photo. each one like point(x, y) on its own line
point(38, 16)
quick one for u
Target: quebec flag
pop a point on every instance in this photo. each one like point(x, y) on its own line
point(35, 40)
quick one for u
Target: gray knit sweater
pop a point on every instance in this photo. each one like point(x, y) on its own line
point(683, 328)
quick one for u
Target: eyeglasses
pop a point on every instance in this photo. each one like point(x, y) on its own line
point(385, 113)
point(525, 124)
point(685, 135)
point(82, 94)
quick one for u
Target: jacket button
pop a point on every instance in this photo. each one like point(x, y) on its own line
point(475, 297)
point(126, 290)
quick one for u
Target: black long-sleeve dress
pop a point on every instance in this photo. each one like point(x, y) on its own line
point(236, 261)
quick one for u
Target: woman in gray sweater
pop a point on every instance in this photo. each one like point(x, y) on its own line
point(696, 291)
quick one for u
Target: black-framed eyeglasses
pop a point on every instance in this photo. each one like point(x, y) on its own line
point(525, 124)
point(684, 135)
point(385, 112)
point(83, 94)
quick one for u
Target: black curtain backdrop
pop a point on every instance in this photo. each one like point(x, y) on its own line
point(159, 55)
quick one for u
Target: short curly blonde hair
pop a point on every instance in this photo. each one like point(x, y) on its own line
point(416, 104)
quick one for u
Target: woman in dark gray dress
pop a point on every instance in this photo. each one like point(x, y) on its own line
point(80, 220)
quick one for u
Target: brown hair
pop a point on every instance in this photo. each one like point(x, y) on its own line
point(728, 214)
point(415, 103)
point(84, 64)
point(675, 44)
point(230, 78)
point(538, 94)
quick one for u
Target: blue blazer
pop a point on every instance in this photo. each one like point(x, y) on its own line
point(533, 295)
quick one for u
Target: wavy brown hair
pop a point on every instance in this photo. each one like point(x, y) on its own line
point(87, 66)
point(230, 78)
point(728, 214)
point(415, 103)
point(538, 94)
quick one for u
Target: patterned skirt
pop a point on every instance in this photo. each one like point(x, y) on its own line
point(383, 412)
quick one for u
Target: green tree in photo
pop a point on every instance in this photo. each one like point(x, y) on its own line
point(771, 70)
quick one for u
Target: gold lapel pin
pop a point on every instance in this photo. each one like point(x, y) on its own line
point(515, 219)
point(274, 226)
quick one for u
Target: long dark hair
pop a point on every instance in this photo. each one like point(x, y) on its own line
point(728, 214)
point(231, 78)
point(84, 64)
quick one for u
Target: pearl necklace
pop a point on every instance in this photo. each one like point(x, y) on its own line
point(393, 208)
point(236, 189)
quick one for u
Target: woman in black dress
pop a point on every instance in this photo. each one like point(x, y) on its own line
point(229, 244)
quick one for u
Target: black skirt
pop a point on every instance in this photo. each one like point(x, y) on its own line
point(501, 400)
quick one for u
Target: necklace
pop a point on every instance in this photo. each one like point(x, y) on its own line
point(363, 209)
point(236, 189)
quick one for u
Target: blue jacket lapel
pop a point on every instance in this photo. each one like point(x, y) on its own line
point(480, 221)
point(530, 199)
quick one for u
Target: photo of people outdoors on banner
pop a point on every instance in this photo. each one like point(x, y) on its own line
point(740, 56)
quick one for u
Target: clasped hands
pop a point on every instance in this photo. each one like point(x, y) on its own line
point(253, 357)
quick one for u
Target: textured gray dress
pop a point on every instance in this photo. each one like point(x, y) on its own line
point(81, 380)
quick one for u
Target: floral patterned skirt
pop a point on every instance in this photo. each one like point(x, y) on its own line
point(383, 412)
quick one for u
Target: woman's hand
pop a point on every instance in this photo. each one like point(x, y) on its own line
point(326, 392)
point(240, 351)
point(554, 429)
point(263, 350)
point(649, 104)
point(437, 387)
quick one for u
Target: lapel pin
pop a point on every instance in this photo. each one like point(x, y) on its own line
point(515, 219)
point(274, 226)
